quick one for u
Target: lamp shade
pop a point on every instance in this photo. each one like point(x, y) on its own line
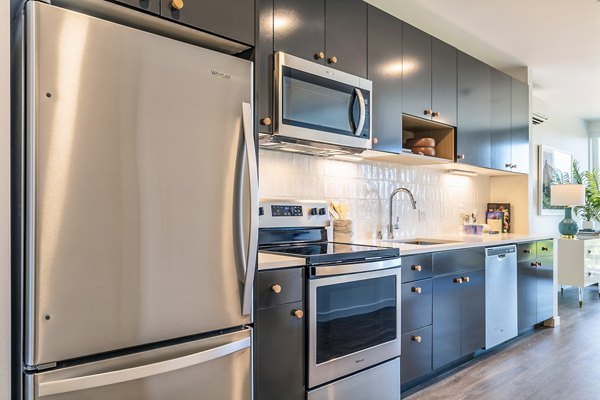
point(567, 195)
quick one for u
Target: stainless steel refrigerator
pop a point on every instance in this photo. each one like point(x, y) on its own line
point(140, 182)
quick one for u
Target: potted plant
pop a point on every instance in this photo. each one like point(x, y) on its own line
point(590, 212)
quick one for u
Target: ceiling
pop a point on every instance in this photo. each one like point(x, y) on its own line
point(558, 40)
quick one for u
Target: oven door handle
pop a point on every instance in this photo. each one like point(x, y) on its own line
point(328, 270)
point(362, 112)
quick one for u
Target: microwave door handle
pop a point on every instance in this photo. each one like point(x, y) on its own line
point(361, 106)
point(250, 261)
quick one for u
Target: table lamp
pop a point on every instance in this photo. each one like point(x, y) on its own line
point(567, 195)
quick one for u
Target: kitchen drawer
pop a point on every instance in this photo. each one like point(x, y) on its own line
point(450, 262)
point(526, 251)
point(281, 286)
point(416, 267)
point(416, 354)
point(152, 6)
point(545, 248)
point(416, 305)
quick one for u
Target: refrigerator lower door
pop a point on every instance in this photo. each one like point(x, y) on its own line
point(141, 181)
point(217, 368)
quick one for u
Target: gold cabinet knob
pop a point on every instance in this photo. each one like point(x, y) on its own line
point(427, 112)
point(266, 121)
point(298, 313)
point(177, 4)
point(276, 289)
point(416, 339)
point(320, 55)
point(332, 60)
point(466, 279)
point(460, 156)
point(375, 140)
point(417, 268)
point(417, 290)
point(435, 114)
point(458, 280)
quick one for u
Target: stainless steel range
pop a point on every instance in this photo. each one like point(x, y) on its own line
point(353, 302)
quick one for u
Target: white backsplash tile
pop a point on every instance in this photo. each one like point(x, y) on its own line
point(366, 187)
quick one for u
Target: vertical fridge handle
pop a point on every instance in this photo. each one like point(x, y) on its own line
point(361, 118)
point(253, 236)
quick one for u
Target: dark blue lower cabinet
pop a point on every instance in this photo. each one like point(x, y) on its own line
point(416, 354)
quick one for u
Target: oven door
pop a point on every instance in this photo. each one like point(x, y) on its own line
point(354, 323)
point(319, 104)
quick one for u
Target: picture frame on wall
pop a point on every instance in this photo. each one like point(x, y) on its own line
point(554, 167)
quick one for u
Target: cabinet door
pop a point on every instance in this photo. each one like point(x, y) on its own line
point(473, 129)
point(263, 65)
point(501, 155)
point(473, 311)
point(416, 305)
point(152, 6)
point(526, 293)
point(346, 36)
point(279, 353)
point(385, 71)
point(233, 19)
point(416, 354)
point(446, 319)
point(520, 126)
point(545, 288)
point(443, 82)
point(299, 28)
point(416, 79)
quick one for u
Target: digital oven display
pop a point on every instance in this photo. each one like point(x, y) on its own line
point(286, 211)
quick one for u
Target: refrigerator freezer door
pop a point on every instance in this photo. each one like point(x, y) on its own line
point(218, 368)
point(139, 187)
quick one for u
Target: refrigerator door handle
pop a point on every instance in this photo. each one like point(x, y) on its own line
point(253, 237)
point(144, 371)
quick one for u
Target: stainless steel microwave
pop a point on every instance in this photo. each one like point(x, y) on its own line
point(320, 107)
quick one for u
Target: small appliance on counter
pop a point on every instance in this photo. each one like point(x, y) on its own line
point(352, 301)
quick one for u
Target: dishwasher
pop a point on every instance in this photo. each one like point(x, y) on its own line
point(500, 295)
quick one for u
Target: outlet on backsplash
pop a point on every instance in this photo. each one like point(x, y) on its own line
point(366, 187)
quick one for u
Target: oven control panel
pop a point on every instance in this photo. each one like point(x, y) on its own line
point(285, 213)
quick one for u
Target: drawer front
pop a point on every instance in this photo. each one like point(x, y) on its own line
point(416, 354)
point(526, 251)
point(450, 262)
point(416, 305)
point(152, 6)
point(282, 286)
point(545, 248)
point(416, 267)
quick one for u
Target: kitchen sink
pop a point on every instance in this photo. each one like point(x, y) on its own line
point(421, 242)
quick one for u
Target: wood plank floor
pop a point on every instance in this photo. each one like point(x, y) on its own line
point(549, 363)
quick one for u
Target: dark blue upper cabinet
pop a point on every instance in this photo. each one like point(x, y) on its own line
point(501, 141)
point(299, 28)
point(416, 85)
point(346, 36)
point(520, 126)
point(443, 82)
point(385, 70)
point(474, 112)
point(231, 19)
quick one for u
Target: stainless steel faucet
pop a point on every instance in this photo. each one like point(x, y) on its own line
point(391, 226)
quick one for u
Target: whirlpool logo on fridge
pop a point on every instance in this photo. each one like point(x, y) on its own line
point(219, 74)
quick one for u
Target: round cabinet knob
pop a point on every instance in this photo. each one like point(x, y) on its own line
point(266, 121)
point(276, 289)
point(332, 60)
point(177, 4)
point(460, 156)
point(435, 114)
point(466, 279)
point(417, 268)
point(534, 264)
point(417, 290)
point(458, 280)
point(320, 55)
point(427, 112)
point(416, 339)
point(375, 140)
point(298, 313)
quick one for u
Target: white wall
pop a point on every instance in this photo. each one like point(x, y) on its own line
point(561, 131)
point(4, 202)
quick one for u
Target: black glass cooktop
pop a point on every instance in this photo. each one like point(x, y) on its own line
point(332, 252)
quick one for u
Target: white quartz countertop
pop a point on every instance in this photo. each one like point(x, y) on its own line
point(455, 242)
point(273, 261)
